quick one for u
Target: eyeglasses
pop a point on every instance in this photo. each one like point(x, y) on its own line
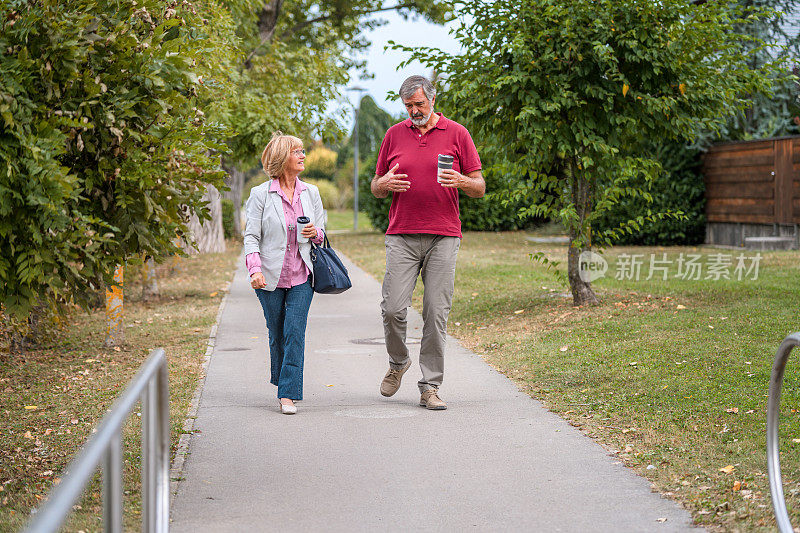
point(298, 153)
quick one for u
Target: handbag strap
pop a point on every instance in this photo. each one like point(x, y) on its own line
point(325, 243)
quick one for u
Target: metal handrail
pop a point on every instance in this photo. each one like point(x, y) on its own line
point(105, 446)
point(773, 421)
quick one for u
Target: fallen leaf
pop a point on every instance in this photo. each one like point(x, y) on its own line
point(117, 349)
point(710, 326)
point(331, 385)
point(564, 348)
point(518, 311)
point(474, 293)
point(73, 421)
point(727, 469)
point(213, 294)
point(90, 361)
point(458, 323)
point(28, 435)
point(30, 407)
point(633, 363)
point(679, 306)
point(662, 519)
point(737, 486)
point(733, 410)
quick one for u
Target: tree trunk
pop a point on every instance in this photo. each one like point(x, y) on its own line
point(208, 236)
point(149, 280)
point(235, 180)
point(582, 293)
point(267, 22)
point(115, 330)
point(268, 19)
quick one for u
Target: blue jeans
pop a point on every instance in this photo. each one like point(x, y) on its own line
point(286, 311)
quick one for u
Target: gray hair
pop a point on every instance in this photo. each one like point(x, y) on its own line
point(413, 83)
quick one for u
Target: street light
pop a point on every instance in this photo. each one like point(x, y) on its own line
point(359, 90)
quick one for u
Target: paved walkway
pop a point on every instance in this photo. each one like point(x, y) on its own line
point(352, 460)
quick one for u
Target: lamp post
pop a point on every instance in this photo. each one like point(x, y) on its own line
point(358, 90)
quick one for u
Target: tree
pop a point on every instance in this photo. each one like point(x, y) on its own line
point(565, 95)
point(103, 149)
point(373, 121)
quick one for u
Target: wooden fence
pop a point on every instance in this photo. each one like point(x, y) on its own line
point(753, 182)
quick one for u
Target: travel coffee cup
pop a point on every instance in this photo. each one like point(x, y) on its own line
point(302, 222)
point(445, 162)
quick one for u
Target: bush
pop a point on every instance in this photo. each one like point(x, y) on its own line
point(320, 163)
point(327, 191)
point(228, 212)
point(477, 214)
point(679, 188)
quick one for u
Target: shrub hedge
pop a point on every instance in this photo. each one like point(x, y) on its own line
point(679, 188)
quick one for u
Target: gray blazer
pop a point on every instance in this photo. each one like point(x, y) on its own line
point(265, 231)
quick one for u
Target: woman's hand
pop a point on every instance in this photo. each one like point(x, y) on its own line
point(309, 232)
point(257, 281)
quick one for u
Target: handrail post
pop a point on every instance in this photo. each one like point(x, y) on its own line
point(155, 454)
point(162, 472)
point(149, 465)
point(773, 423)
point(112, 486)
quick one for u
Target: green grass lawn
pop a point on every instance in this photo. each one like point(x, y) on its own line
point(342, 220)
point(670, 375)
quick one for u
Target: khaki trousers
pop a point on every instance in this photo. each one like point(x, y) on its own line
point(407, 256)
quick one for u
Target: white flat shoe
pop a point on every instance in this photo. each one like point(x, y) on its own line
point(288, 409)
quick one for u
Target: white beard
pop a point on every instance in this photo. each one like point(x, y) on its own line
point(421, 121)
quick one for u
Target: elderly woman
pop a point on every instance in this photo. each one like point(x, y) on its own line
point(277, 257)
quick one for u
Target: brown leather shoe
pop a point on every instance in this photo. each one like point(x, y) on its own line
point(430, 400)
point(391, 381)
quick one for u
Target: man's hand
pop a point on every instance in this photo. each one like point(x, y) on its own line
point(472, 184)
point(450, 178)
point(257, 280)
point(390, 182)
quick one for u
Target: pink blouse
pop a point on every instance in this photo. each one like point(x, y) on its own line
point(294, 271)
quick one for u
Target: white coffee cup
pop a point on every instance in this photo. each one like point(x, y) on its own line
point(302, 222)
point(444, 162)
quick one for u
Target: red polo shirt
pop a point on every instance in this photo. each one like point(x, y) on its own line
point(426, 207)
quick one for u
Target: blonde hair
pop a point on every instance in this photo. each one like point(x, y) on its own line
point(276, 153)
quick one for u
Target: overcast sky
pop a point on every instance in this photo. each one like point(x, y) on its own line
point(383, 64)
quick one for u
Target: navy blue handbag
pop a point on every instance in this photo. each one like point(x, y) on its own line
point(330, 275)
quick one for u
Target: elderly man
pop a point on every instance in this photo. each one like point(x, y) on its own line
point(424, 231)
